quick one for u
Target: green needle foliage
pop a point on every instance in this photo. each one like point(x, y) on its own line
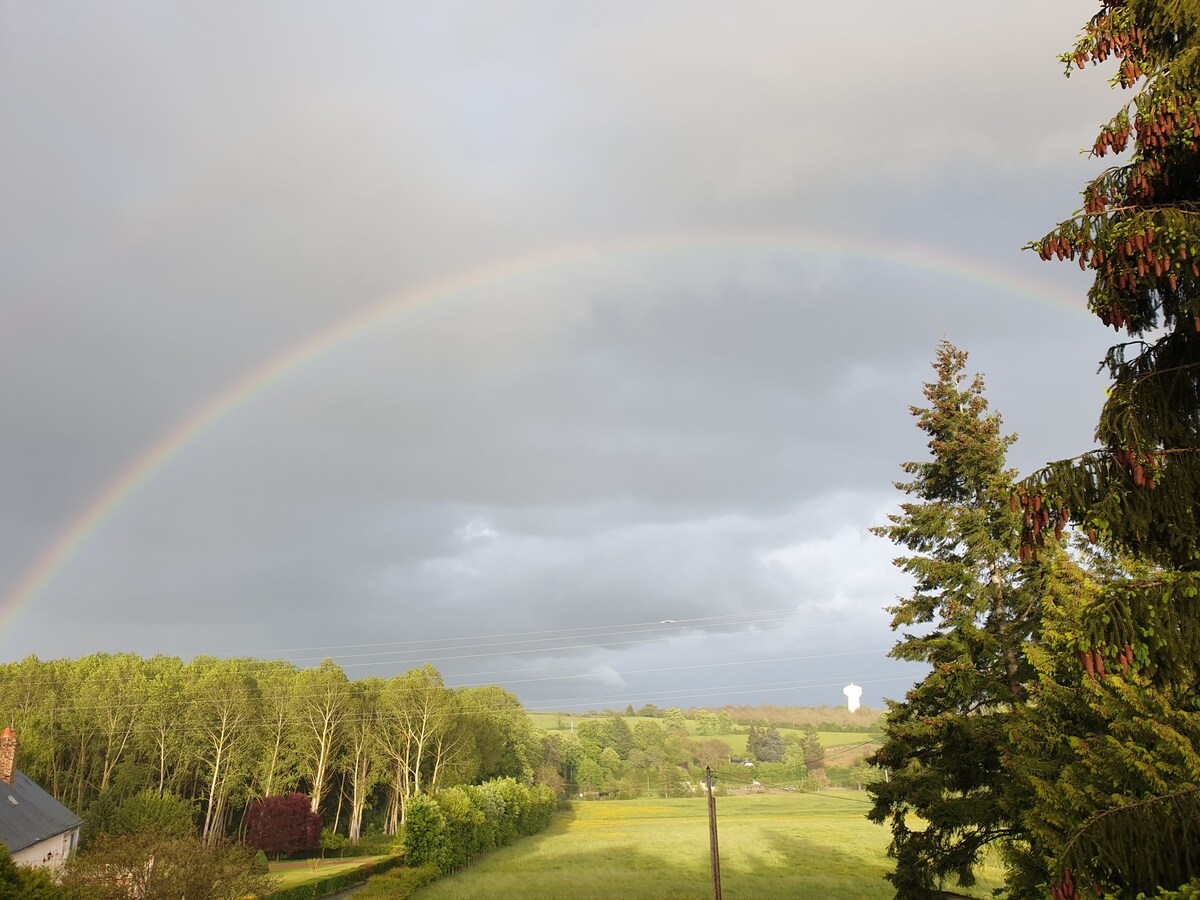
point(1107, 744)
point(949, 794)
point(1139, 233)
point(1111, 746)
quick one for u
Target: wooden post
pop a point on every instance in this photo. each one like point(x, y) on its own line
point(712, 832)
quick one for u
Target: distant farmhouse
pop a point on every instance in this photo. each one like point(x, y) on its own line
point(38, 830)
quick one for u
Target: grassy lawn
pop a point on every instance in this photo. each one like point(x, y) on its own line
point(293, 872)
point(772, 846)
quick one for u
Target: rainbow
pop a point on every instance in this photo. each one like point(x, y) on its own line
point(158, 455)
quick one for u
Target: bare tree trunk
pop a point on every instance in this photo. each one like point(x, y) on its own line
point(206, 833)
point(341, 796)
point(393, 816)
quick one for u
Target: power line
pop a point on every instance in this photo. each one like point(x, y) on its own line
point(748, 617)
point(189, 671)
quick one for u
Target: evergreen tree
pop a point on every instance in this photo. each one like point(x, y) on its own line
point(1120, 677)
point(1109, 756)
point(1139, 231)
point(945, 743)
point(770, 745)
point(814, 753)
point(754, 741)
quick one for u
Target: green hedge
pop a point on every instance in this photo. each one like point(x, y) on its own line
point(459, 824)
point(331, 884)
point(398, 884)
point(443, 834)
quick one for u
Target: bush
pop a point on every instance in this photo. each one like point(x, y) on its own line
point(283, 825)
point(378, 844)
point(464, 822)
point(332, 842)
point(398, 884)
point(99, 818)
point(150, 812)
point(496, 804)
point(22, 883)
point(120, 866)
point(492, 806)
point(462, 832)
point(424, 826)
point(333, 884)
point(540, 809)
point(446, 833)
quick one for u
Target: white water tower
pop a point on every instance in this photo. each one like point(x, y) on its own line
point(853, 692)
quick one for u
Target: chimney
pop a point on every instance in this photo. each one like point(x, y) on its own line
point(8, 754)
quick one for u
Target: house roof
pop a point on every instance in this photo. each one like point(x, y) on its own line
point(28, 814)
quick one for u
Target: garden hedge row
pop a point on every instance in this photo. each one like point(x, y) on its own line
point(331, 884)
point(461, 823)
point(398, 884)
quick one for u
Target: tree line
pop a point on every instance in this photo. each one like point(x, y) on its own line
point(720, 720)
point(223, 732)
point(606, 755)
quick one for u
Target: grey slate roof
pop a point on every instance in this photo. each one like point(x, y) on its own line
point(28, 814)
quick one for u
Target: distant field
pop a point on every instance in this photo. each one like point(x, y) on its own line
point(772, 846)
point(830, 740)
point(842, 748)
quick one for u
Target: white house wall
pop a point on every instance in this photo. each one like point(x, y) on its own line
point(50, 853)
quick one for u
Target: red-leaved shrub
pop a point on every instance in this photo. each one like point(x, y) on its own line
point(283, 825)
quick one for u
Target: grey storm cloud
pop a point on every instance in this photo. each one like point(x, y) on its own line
point(688, 404)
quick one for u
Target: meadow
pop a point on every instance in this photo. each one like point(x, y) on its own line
point(290, 873)
point(783, 845)
point(841, 747)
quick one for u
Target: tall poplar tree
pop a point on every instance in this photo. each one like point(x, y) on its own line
point(968, 618)
point(1112, 805)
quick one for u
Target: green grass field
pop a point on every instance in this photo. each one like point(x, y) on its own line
point(830, 740)
point(772, 846)
point(293, 872)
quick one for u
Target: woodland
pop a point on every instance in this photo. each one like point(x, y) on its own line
point(222, 732)
point(102, 729)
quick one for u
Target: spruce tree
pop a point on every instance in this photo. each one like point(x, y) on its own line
point(814, 753)
point(945, 744)
point(1117, 684)
point(1139, 232)
point(1108, 755)
point(754, 742)
point(770, 745)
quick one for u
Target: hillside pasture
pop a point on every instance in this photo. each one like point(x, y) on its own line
point(856, 743)
point(772, 846)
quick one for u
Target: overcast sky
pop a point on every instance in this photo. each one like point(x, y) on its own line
point(591, 329)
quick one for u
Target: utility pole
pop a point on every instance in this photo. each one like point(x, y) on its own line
point(712, 832)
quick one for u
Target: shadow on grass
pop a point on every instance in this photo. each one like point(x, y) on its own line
point(779, 866)
point(827, 864)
